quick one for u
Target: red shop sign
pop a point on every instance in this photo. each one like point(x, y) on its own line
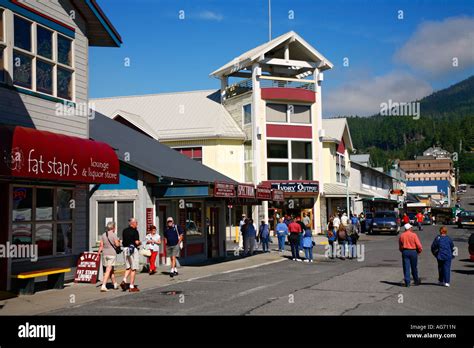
point(149, 218)
point(30, 153)
point(264, 193)
point(245, 191)
point(224, 190)
point(87, 268)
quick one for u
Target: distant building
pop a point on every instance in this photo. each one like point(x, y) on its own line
point(436, 152)
point(428, 169)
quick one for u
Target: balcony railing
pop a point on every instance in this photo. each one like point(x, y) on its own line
point(266, 82)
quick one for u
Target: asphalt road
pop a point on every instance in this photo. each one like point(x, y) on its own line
point(326, 287)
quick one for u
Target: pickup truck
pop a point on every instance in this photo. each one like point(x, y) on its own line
point(385, 221)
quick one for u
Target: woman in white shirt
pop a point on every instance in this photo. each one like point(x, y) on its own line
point(152, 243)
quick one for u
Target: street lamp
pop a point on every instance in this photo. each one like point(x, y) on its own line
point(347, 174)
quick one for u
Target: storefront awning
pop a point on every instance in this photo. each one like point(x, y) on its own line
point(33, 154)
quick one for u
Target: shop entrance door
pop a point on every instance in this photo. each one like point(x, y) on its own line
point(213, 233)
point(4, 209)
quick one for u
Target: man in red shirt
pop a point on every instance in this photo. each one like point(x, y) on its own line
point(406, 218)
point(295, 230)
point(419, 221)
point(410, 246)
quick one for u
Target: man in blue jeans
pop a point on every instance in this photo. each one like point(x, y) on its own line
point(410, 246)
point(282, 231)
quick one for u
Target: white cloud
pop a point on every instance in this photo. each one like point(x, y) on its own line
point(363, 97)
point(209, 16)
point(435, 43)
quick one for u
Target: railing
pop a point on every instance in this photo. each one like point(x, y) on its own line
point(267, 82)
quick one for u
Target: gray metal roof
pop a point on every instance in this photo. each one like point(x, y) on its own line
point(361, 158)
point(148, 154)
point(174, 116)
point(335, 128)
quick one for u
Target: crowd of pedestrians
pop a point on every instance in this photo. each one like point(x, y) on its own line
point(342, 231)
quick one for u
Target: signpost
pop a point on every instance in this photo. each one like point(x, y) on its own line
point(224, 190)
point(246, 191)
point(87, 268)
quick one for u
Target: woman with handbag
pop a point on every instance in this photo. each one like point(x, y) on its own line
point(152, 244)
point(109, 248)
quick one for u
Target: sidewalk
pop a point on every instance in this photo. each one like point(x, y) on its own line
point(75, 294)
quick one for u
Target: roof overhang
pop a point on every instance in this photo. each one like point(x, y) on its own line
point(100, 30)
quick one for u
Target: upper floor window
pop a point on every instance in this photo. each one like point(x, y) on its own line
point(287, 113)
point(194, 153)
point(42, 59)
point(247, 114)
point(289, 160)
point(340, 168)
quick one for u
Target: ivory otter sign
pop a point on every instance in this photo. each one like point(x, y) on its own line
point(29, 153)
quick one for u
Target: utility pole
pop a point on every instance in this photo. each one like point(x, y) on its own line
point(269, 20)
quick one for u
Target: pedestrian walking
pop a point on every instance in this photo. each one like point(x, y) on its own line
point(332, 238)
point(249, 239)
point(307, 221)
point(410, 246)
point(433, 219)
point(282, 231)
point(336, 222)
point(295, 230)
point(344, 219)
point(405, 219)
point(131, 243)
point(241, 239)
point(174, 236)
point(152, 243)
point(342, 240)
point(109, 247)
point(443, 249)
point(300, 236)
point(362, 222)
point(308, 245)
point(352, 238)
point(419, 221)
point(264, 236)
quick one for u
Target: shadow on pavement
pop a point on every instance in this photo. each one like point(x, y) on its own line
point(464, 271)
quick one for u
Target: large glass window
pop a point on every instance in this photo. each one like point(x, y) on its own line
point(43, 216)
point(118, 211)
point(248, 162)
point(277, 149)
point(124, 213)
point(105, 214)
point(247, 111)
point(277, 171)
point(46, 66)
point(301, 150)
point(340, 168)
point(22, 32)
point(276, 113)
point(302, 171)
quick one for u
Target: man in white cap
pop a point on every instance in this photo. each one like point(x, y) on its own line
point(410, 246)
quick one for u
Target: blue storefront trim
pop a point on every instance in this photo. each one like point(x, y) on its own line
point(185, 191)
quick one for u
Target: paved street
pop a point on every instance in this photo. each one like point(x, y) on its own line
point(326, 287)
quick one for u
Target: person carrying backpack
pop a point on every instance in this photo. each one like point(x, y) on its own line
point(308, 246)
point(443, 248)
point(342, 240)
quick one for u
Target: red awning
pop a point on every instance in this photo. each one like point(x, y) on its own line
point(32, 154)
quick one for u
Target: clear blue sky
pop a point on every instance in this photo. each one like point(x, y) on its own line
point(171, 54)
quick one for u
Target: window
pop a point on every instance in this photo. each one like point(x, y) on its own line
point(276, 113)
point(247, 114)
point(22, 33)
point(248, 162)
point(283, 113)
point(277, 149)
point(300, 114)
point(46, 66)
point(117, 211)
point(194, 153)
point(277, 171)
point(301, 150)
point(2, 48)
point(2, 39)
point(340, 168)
point(43, 215)
point(193, 220)
point(302, 171)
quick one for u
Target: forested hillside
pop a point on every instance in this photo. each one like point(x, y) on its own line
point(446, 119)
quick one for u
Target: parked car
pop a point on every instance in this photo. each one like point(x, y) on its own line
point(385, 221)
point(466, 219)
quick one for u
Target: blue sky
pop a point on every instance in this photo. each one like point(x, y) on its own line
point(389, 58)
